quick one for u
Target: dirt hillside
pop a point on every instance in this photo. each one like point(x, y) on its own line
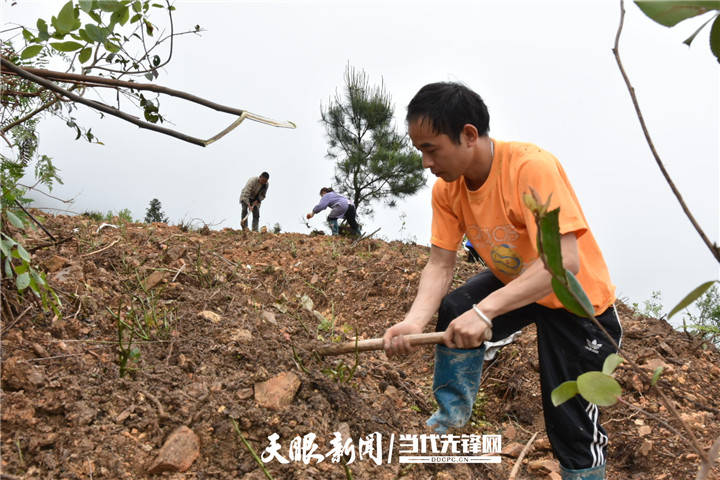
point(210, 317)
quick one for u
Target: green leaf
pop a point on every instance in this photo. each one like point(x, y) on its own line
point(690, 39)
point(110, 5)
point(120, 16)
point(66, 46)
point(599, 388)
point(568, 300)
point(136, 17)
point(14, 219)
point(66, 20)
point(86, 5)
point(715, 38)
point(23, 253)
point(27, 35)
point(611, 363)
point(41, 26)
point(670, 13)
point(564, 392)
point(85, 55)
point(6, 246)
point(8, 268)
point(550, 235)
point(22, 281)
point(137, 6)
point(95, 33)
point(111, 47)
point(691, 297)
point(31, 51)
point(23, 267)
point(38, 278)
point(656, 376)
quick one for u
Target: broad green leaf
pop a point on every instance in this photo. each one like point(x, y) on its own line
point(568, 300)
point(69, 46)
point(38, 278)
point(41, 25)
point(111, 47)
point(95, 33)
point(670, 13)
point(611, 363)
point(691, 297)
point(136, 17)
point(715, 38)
point(578, 290)
point(27, 35)
point(598, 388)
point(656, 376)
point(85, 54)
point(8, 268)
point(109, 5)
point(137, 6)
point(120, 16)
point(14, 219)
point(22, 281)
point(66, 20)
point(564, 392)
point(86, 5)
point(31, 51)
point(550, 234)
point(22, 268)
point(6, 246)
point(23, 253)
point(95, 16)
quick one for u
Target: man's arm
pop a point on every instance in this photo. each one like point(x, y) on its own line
point(468, 330)
point(434, 284)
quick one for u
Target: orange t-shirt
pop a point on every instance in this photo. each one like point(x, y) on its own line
point(503, 230)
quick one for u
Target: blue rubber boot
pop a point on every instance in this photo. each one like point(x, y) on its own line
point(333, 225)
point(592, 473)
point(455, 385)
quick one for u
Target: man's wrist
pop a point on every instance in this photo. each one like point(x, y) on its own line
point(483, 316)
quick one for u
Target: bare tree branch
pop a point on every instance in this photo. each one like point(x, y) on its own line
point(714, 249)
point(31, 74)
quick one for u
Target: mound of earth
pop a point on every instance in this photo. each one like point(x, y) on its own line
point(175, 353)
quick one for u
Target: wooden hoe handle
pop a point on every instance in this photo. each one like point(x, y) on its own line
point(377, 344)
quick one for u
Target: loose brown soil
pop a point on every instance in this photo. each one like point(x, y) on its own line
point(67, 413)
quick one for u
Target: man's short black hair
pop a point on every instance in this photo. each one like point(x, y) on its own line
point(449, 106)
point(265, 175)
point(325, 190)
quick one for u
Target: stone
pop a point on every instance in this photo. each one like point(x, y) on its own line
point(20, 375)
point(55, 263)
point(154, 279)
point(542, 444)
point(645, 448)
point(278, 392)
point(244, 393)
point(179, 452)
point(268, 317)
point(512, 449)
point(211, 316)
point(644, 430)
point(544, 466)
point(240, 335)
point(510, 433)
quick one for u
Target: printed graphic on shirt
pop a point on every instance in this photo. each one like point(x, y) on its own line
point(498, 240)
point(506, 259)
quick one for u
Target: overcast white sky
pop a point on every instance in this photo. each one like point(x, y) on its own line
point(545, 69)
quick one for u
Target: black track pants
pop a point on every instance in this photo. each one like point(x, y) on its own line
point(568, 346)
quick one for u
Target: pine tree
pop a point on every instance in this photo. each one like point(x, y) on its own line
point(154, 212)
point(373, 161)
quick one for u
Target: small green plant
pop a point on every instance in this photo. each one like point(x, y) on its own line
point(276, 228)
point(651, 307)
point(94, 215)
point(706, 321)
point(127, 353)
point(125, 216)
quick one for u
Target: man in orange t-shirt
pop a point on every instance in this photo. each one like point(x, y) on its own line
point(479, 194)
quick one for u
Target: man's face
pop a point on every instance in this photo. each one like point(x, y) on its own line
point(445, 158)
point(262, 180)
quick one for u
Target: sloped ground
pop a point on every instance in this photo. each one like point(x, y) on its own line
point(68, 413)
